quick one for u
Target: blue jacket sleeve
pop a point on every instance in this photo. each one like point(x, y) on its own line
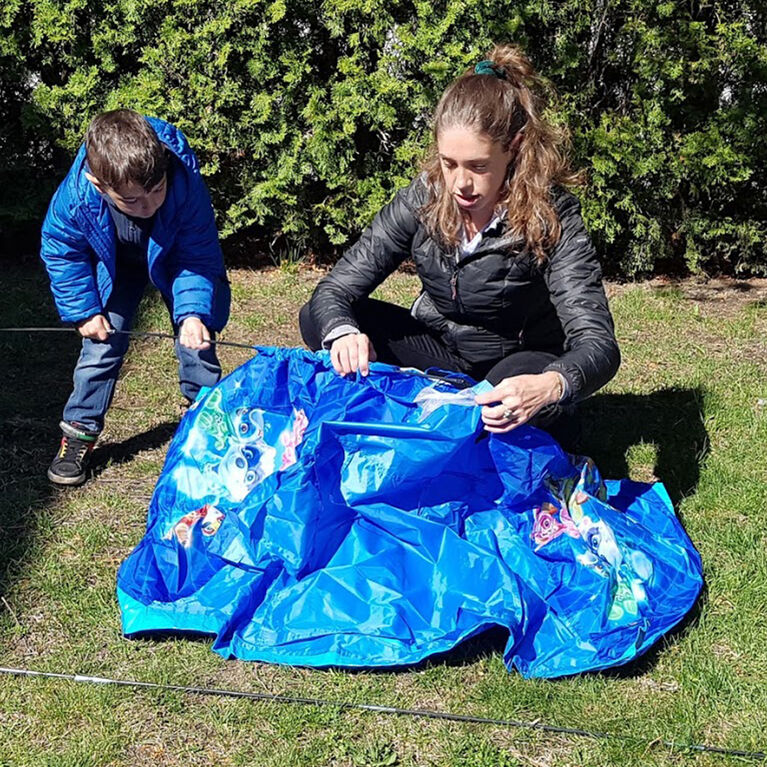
point(197, 266)
point(70, 262)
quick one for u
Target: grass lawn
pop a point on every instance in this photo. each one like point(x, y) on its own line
point(685, 408)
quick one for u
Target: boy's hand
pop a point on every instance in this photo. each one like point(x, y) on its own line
point(97, 328)
point(193, 334)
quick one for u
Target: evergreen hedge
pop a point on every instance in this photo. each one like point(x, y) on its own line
point(307, 115)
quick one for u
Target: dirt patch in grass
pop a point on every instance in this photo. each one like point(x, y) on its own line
point(287, 291)
point(721, 296)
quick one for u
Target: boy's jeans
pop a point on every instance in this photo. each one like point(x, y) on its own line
point(100, 361)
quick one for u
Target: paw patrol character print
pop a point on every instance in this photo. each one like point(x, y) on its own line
point(248, 425)
point(292, 438)
point(602, 554)
point(211, 521)
point(243, 466)
point(248, 459)
point(574, 491)
point(210, 518)
point(580, 499)
point(214, 420)
point(551, 522)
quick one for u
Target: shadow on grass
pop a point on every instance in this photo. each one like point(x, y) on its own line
point(115, 453)
point(674, 422)
point(670, 419)
point(30, 410)
point(36, 370)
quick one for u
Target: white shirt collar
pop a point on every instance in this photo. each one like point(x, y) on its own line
point(466, 248)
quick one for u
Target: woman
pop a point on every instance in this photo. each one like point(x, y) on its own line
point(511, 287)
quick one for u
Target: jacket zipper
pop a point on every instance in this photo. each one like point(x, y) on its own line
point(454, 289)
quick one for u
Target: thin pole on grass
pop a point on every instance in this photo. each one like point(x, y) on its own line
point(410, 712)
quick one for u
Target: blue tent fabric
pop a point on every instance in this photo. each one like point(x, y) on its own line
point(310, 519)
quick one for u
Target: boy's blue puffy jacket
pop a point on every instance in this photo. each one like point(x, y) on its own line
point(184, 256)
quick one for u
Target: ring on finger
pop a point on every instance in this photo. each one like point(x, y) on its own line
point(508, 414)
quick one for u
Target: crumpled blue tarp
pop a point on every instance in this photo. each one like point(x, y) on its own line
point(310, 519)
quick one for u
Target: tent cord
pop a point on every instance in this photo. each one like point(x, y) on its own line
point(422, 713)
point(133, 333)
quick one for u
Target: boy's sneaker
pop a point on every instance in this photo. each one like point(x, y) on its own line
point(70, 465)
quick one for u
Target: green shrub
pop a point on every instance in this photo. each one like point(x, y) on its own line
point(308, 115)
point(26, 158)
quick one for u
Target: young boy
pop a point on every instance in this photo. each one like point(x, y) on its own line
point(133, 209)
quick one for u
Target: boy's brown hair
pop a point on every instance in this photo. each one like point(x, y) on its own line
point(122, 148)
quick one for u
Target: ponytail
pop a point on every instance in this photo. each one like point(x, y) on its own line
point(501, 98)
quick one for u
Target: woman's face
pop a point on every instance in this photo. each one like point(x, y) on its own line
point(474, 169)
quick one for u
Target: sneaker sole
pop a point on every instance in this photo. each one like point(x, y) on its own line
point(57, 479)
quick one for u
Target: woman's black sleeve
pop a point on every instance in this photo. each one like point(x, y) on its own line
point(381, 248)
point(574, 279)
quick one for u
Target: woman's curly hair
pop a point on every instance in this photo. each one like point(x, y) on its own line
point(507, 100)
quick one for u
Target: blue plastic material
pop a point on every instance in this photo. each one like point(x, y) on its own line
point(315, 520)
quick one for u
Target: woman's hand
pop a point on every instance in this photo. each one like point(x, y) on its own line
point(193, 334)
point(516, 400)
point(351, 353)
point(97, 328)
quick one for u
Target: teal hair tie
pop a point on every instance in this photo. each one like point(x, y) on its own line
point(487, 67)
